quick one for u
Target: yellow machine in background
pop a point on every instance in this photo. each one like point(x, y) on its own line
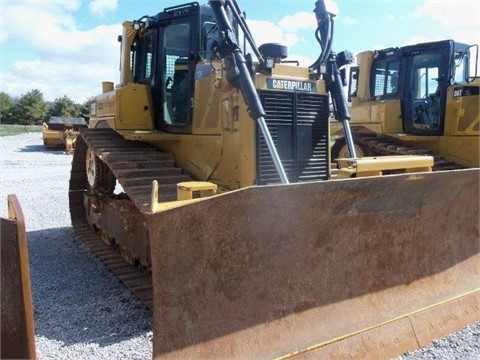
point(61, 132)
point(208, 172)
point(416, 99)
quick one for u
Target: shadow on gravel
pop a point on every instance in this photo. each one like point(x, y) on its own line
point(41, 148)
point(75, 298)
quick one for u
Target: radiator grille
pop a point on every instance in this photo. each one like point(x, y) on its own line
point(298, 123)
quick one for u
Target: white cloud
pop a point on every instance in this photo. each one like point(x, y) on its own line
point(267, 32)
point(451, 14)
point(299, 21)
point(286, 31)
point(37, 19)
point(50, 30)
point(99, 8)
point(461, 19)
point(77, 81)
point(67, 61)
point(348, 20)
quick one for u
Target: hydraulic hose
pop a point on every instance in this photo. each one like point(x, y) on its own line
point(241, 77)
point(324, 35)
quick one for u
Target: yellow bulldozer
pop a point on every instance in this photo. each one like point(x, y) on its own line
point(416, 99)
point(60, 132)
point(203, 182)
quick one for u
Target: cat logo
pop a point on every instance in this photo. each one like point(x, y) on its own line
point(465, 91)
point(291, 85)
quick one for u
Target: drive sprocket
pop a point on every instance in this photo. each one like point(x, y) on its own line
point(100, 178)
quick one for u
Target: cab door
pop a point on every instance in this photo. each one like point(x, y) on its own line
point(177, 49)
point(427, 78)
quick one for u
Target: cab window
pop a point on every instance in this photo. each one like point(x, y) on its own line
point(426, 91)
point(142, 56)
point(460, 70)
point(177, 86)
point(210, 39)
point(385, 78)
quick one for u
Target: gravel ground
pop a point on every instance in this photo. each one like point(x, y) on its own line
point(81, 310)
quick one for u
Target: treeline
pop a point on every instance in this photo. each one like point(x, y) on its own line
point(32, 109)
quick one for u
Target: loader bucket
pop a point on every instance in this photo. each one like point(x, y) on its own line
point(355, 268)
point(17, 332)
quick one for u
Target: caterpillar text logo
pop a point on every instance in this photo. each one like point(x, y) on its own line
point(465, 91)
point(291, 85)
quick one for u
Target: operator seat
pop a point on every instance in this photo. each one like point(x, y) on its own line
point(181, 91)
point(436, 105)
point(393, 83)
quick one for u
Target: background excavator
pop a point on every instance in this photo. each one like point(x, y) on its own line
point(417, 99)
point(203, 182)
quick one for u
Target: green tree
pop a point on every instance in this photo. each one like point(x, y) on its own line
point(31, 108)
point(6, 107)
point(64, 106)
point(83, 110)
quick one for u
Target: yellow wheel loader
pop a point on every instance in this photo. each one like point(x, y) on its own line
point(416, 99)
point(203, 182)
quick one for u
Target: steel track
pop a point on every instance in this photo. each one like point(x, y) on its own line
point(135, 165)
point(379, 145)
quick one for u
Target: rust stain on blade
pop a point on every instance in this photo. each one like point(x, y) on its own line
point(268, 271)
point(394, 337)
point(17, 330)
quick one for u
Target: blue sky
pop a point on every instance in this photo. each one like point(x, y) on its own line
point(68, 47)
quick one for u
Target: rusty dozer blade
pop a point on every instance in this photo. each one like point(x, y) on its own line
point(17, 332)
point(360, 268)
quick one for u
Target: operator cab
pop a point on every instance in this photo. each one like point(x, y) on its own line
point(430, 69)
point(165, 55)
point(419, 76)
